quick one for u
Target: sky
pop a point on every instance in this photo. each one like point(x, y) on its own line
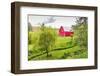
point(52, 21)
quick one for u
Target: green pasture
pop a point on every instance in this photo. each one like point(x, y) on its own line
point(64, 48)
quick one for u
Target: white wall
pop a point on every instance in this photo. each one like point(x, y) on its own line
point(5, 42)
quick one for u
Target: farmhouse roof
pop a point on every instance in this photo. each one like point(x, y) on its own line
point(67, 28)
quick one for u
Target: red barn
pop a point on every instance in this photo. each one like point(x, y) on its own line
point(65, 32)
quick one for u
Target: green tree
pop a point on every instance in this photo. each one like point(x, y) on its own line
point(29, 34)
point(47, 38)
point(80, 31)
point(29, 26)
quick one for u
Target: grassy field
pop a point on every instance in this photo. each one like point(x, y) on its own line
point(71, 53)
point(64, 48)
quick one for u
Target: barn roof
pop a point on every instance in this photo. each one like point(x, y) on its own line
point(67, 28)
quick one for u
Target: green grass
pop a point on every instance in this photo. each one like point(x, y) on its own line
point(71, 53)
point(62, 42)
point(63, 49)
